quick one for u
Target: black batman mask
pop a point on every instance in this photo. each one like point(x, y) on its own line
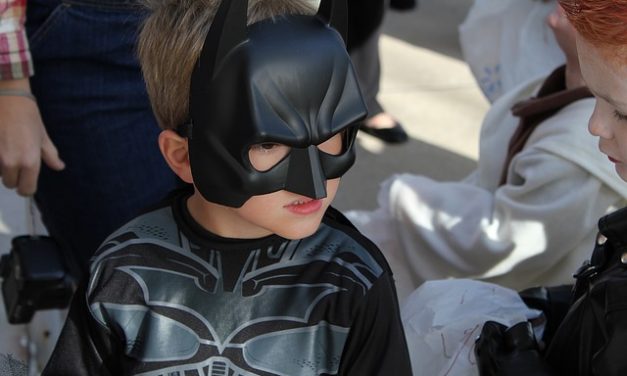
point(287, 80)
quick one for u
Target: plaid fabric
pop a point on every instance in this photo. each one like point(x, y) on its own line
point(15, 60)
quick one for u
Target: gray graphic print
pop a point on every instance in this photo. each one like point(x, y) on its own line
point(193, 315)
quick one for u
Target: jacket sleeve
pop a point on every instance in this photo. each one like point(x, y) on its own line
point(610, 360)
point(84, 346)
point(511, 236)
point(376, 343)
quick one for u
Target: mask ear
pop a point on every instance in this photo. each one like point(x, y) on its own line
point(227, 30)
point(335, 14)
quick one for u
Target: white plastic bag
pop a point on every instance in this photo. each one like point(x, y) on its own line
point(443, 318)
point(506, 42)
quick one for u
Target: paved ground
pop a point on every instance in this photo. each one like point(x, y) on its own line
point(427, 86)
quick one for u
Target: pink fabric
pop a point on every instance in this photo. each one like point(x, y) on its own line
point(15, 60)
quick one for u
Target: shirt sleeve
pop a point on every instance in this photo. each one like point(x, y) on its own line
point(512, 236)
point(376, 344)
point(84, 347)
point(15, 58)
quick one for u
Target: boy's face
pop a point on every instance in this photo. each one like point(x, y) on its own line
point(290, 84)
point(606, 77)
point(287, 214)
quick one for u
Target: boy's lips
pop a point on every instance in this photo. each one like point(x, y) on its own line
point(304, 206)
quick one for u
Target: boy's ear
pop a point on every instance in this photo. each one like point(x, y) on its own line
point(175, 150)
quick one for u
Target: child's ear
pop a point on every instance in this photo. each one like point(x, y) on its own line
point(175, 150)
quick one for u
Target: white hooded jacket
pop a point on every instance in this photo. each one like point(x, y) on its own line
point(536, 229)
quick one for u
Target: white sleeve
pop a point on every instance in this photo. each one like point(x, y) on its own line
point(434, 230)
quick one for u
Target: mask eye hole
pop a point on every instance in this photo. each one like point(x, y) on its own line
point(334, 145)
point(266, 155)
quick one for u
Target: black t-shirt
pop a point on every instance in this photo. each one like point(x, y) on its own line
point(166, 297)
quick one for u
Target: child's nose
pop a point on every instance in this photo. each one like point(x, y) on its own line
point(598, 125)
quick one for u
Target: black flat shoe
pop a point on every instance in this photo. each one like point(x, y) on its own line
point(394, 135)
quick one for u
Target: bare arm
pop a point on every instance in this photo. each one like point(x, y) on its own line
point(24, 142)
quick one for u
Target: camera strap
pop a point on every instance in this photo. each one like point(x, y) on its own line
point(32, 212)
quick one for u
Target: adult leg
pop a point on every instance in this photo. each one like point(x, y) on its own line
point(93, 102)
point(367, 65)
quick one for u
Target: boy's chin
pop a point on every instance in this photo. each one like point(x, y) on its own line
point(622, 172)
point(296, 232)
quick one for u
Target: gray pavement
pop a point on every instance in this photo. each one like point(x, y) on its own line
point(428, 87)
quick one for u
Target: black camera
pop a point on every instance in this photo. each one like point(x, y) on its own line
point(34, 277)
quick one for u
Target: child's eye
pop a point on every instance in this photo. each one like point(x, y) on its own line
point(333, 145)
point(266, 146)
point(265, 155)
point(620, 116)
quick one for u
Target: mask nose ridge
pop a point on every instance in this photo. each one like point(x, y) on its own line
point(305, 175)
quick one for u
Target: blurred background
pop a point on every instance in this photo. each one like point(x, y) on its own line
point(428, 87)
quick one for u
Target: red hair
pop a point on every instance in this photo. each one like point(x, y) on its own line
point(601, 22)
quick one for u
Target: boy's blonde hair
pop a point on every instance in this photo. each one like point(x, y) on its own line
point(171, 41)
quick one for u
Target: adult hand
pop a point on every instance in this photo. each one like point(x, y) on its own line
point(24, 142)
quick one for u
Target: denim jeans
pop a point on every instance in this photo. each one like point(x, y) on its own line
point(93, 102)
